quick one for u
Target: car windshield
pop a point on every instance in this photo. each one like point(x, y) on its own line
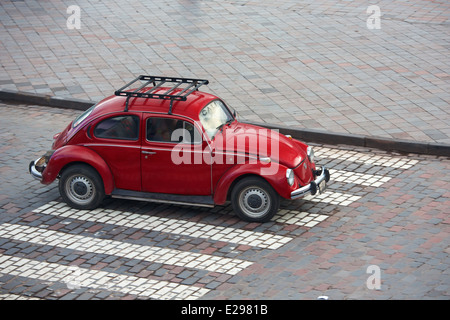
point(82, 116)
point(213, 116)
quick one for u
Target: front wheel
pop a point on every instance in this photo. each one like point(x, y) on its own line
point(81, 187)
point(254, 200)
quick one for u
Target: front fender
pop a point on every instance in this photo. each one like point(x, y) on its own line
point(77, 154)
point(274, 173)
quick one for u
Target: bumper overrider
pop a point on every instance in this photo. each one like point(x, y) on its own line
point(318, 185)
point(37, 167)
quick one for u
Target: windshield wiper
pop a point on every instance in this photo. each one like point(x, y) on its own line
point(220, 128)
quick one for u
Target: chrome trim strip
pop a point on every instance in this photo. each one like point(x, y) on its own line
point(299, 164)
point(162, 201)
point(110, 145)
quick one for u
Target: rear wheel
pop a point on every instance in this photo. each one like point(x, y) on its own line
point(81, 187)
point(253, 199)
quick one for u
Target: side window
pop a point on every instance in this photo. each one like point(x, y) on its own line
point(171, 130)
point(124, 127)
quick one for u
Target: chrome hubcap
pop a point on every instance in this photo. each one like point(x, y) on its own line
point(80, 189)
point(254, 202)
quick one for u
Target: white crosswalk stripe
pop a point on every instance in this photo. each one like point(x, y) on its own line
point(309, 220)
point(365, 158)
point(337, 198)
point(174, 226)
point(127, 250)
point(369, 180)
point(8, 296)
point(76, 277)
point(300, 218)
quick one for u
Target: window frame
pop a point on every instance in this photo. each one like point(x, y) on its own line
point(228, 113)
point(138, 122)
point(80, 118)
point(174, 142)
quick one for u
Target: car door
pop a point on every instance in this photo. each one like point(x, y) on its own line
point(116, 139)
point(172, 157)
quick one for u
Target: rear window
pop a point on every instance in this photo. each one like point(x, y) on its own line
point(82, 116)
point(125, 127)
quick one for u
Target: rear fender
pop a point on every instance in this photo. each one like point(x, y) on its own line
point(69, 154)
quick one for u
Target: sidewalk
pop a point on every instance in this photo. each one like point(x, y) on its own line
point(308, 64)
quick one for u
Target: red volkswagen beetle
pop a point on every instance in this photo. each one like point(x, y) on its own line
point(161, 139)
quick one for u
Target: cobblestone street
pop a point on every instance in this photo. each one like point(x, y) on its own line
point(379, 232)
point(382, 209)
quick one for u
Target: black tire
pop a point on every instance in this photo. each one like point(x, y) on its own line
point(81, 187)
point(254, 200)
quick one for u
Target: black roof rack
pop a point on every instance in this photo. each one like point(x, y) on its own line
point(192, 85)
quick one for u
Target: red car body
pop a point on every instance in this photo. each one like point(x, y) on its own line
point(262, 164)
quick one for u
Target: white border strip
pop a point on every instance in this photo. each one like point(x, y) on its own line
point(76, 277)
point(174, 226)
point(122, 249)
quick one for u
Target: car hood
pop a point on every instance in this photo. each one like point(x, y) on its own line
point(243, 138)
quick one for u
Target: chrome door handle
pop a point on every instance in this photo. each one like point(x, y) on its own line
point(148, 152)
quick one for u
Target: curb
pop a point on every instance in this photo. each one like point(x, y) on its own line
point(44, 100)
point(310, 135)
point(386, 144)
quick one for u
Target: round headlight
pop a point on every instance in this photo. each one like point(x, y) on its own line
point(290, 176)
point(310, 152)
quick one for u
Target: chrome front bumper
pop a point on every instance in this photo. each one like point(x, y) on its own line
point(38, 166)
point(33, 171)
point(320, 184)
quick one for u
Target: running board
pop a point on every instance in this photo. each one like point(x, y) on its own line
point(201, 201)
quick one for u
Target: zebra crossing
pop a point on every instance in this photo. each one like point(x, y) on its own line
point(173, 226)
point(96, 279)
point(103, 246)
point(163, 244)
